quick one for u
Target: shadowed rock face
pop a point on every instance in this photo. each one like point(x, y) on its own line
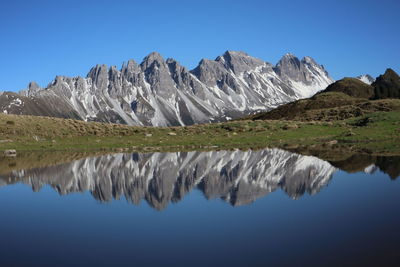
point(238, 177)
point(47, 105)
point(162, 92)
point(387, 85)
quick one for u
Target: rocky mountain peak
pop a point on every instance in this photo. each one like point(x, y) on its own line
point(97, 70)
point(208, 70)
point(174, 66)
point(288, 61)
point(154, 59)
point(389, 73)
point(308, 60)
point(31, 90)
point(99, 76)
point(33, 86)
point(306, 72)
point(130, 67)
point(239, 61)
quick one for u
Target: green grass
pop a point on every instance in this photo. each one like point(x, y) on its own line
point(30, 133)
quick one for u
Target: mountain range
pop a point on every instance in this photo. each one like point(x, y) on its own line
point(159, 92)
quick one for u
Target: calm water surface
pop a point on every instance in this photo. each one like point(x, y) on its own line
point(222, 208)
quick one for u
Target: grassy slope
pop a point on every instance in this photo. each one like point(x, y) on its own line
point(330, 106)
point(374, 133)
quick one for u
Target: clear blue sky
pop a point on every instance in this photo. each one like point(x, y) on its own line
point(42, 39)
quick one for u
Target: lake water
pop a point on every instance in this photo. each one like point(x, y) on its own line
point(222, 208)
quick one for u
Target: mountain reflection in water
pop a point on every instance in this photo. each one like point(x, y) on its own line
point(238, 177)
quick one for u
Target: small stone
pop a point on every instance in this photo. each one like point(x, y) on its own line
point(333, 142)
point(290, 126)
point(148, 135)
point(171, 133)
point(10, 153)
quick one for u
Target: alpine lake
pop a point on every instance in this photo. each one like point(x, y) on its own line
point(215, 208)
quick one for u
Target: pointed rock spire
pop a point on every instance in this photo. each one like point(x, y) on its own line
point(151, 60)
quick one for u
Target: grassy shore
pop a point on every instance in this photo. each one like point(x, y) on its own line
point(378, 132)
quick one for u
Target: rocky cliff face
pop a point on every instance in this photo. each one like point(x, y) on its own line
point(162, 92)
point(238, 177)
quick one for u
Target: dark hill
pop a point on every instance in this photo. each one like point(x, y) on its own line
point(352, 87)
point(329, 106)
point(387, 85)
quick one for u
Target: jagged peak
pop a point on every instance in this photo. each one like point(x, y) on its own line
point(33, 86)
point(100, 67)
point(390, 72)
point(171, 61)
point(174, 62)
point(239, 61)
point(150, 59)
point(288, 59)
point(130, 67)
point(230, 53)
point(129, 64)
point(289, 55)
point(96, 70)
point(59, 78)
point(175, 66)
point(309, 60)
point(153, 56)
point(32, 89)
point(206, 62)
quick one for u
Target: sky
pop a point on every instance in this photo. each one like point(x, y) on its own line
point(42, 39)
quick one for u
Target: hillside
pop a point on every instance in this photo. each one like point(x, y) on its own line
point(375, 133)
point(332, 106)
point(352, 87)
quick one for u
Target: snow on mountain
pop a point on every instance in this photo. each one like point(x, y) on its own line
point(366, 78)
point(162, 92)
